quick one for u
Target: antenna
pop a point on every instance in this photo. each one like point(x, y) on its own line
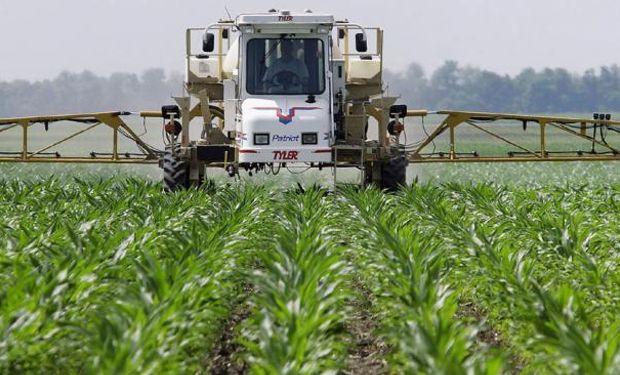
point(227, 12)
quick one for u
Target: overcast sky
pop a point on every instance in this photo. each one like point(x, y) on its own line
point(39, 39)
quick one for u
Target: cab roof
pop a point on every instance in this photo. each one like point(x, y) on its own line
point(284, 17)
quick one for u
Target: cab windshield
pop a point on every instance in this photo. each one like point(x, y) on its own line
point(285, 66)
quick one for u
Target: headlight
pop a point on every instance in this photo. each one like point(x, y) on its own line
point(309, 138)
point(261, 139)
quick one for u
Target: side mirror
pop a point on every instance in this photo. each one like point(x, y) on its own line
point(208, 42)
point(225, 34)
point(361, 44)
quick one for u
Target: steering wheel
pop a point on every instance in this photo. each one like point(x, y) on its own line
point(286, 79)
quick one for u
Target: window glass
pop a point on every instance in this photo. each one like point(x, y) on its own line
point(285, 67)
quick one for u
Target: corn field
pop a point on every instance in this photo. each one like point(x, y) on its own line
point(114, 276)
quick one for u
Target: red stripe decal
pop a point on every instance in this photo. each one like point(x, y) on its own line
point(286, 119)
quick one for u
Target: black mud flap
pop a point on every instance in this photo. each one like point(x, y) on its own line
point(215, 153)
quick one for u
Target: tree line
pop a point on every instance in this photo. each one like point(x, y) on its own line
point(451, 86)
point(88, 92)
point(545, 91)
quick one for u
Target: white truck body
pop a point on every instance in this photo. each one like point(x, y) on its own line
point(289, 125)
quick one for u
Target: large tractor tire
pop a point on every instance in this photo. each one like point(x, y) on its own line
point(176, 171)
point(394, 173)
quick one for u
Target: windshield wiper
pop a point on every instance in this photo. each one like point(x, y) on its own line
point(272, 49)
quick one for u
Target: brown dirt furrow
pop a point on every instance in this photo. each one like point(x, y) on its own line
point(489, 336)
point(224, 358)
point(367, 352)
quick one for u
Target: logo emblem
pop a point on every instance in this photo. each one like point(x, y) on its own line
point(286, 119)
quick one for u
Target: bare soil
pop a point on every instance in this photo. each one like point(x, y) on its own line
point(489, 336)
point(225, 358)
point(367, 352)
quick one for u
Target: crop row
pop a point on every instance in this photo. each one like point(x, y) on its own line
point(117, 277)
point(541, 263)
point(300, 293)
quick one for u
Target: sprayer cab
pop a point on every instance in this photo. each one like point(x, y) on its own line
point(284, 88)
point(290, 88)
point(280, 90)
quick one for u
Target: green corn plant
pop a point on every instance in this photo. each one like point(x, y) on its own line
point(299, 295)
point(110, 275)
point(564, 328)
point(419, 308)
point(132, 280)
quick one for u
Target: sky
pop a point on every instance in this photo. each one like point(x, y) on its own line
point(41, 38)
